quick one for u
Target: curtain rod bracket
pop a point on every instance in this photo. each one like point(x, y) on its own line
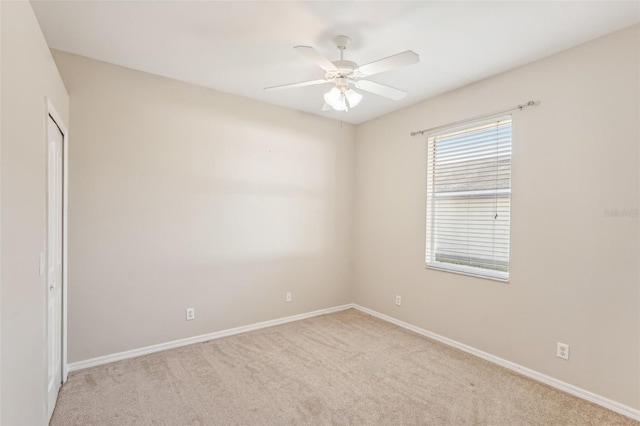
point(530, 103)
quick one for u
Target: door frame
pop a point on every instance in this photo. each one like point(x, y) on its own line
point(50, 110)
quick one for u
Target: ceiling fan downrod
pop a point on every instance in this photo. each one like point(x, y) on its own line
point(342, 41)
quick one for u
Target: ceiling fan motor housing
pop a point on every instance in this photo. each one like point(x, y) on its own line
point(343, 69)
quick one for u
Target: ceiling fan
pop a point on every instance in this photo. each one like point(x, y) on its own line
point(344, 74)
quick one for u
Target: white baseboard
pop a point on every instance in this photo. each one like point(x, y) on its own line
point(199, 339)
point(558, 384)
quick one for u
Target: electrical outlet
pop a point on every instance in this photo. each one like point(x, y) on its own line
point(191, 314)
point(398, 300)
point(562, 351)
point(289, 297)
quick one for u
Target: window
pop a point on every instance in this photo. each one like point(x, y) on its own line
point(469, 199)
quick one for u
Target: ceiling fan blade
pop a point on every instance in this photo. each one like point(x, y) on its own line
point(396, 61)
point(315, 57)
point(301, 84)
point(381, 89)
point(326, 107)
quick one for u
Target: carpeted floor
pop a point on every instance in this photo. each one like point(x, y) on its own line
point(345, 368)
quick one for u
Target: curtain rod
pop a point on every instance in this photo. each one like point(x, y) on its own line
point(520, 107)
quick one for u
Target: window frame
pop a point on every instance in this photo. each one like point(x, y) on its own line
point(431, 234)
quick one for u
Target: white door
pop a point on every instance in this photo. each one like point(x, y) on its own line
point(54, 261)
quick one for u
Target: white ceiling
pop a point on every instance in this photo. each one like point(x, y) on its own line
point(240, 47)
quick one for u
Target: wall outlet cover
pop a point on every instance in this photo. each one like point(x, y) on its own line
point(562, 351)
point(191, 314)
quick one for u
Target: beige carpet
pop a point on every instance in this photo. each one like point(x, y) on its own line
point(345, 368)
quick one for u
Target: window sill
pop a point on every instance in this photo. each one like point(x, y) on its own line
point(472, 272)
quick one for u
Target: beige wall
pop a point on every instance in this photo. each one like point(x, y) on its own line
point(186, 197)
point(28, 75)
point(574, 271)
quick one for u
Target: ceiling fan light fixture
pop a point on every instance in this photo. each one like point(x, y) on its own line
point(336, 99)
point(340, 99)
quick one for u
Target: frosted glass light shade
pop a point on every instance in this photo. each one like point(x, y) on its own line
point(353, 97)
point(341, 100)
point(335, 99)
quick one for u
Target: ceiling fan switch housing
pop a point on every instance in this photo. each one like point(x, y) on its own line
point(342, 82)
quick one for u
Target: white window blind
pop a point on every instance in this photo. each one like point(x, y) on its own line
point(469, 199)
